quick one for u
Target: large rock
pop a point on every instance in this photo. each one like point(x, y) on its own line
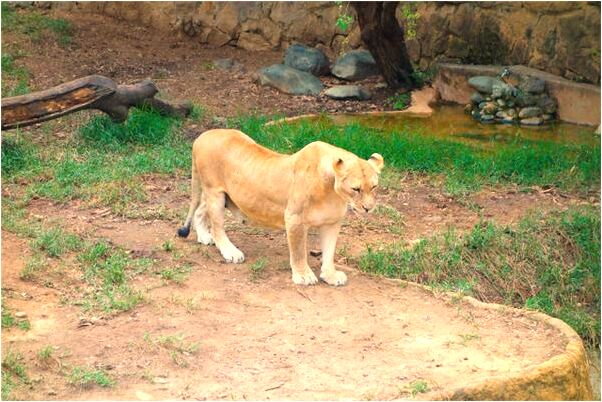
point(289, 80)
point(307, 59)
point(347, 92)
point(355, 65)
point(484, 84)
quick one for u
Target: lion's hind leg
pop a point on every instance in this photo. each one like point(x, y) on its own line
point(216, 206)
point(201, 223)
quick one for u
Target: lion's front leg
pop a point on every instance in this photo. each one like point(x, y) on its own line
point(296, 233)
point(328, 243)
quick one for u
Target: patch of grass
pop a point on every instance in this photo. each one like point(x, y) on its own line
point(547, 262)
point(257, 268)
point(419, 387)
point(85, 377)
point(104, 166)
point(55, 242)
point(45, 353)
point(168, 246)
point(13, 373)
point(142, 127)
point(15, 77)
point(33, 266)
point(399, 101)
point(13, 364)
point(177, 346)
point(107, 269)
point(36, 25)
point(197, 113)
point(177, 274)
point(465, 168)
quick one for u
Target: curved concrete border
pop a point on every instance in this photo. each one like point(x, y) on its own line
point(420, 107)
point(563, 377)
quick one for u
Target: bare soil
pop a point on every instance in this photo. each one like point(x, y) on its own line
point(261, 338)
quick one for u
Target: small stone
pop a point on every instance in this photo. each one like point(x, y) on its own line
point(529, 112)
point(487, 117)
point(501, 115)
point(347, 92)
point(547, 117)
point(228, 65)
point(501, 91)
point(482, 105)
point(476, 98)
point(468, 108)
point(547, 104)
point(532, 85)
point(483, 84)
point(490, 108)
point(160, 380)
point(511, 112)
point(501, 102)
point(143, 396)
point(531, 121)
point(381, 85)
point(526, 99)
point(20, 314)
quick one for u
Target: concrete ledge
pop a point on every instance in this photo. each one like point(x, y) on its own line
point(563, 377)
point(577, 103)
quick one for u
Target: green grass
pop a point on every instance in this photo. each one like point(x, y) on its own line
point(399, 101)
point(257, 268)
point(103, 164)
point(13, 371)
point(177, 274)
point(55, 242)
point(45, 353)
point(36, 25)
point(466, 168)
point(15, 78)
point(85, 377)
point(107, 270)
point(418, 387)
point(176, 345)
point(547, 262)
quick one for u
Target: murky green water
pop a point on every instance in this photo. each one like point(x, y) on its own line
point(451, 122)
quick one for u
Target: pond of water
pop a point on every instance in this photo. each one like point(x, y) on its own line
point(450, 122)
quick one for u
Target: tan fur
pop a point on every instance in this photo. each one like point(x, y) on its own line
point(311, 188)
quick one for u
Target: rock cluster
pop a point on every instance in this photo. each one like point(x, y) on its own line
point(496, 101)
point(302, 66)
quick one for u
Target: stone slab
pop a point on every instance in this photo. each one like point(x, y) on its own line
point(577, 103)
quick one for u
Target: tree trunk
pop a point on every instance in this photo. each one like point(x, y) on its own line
point(91, 92)
point(385, 39)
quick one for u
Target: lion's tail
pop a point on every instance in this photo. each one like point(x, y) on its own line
point(195, 200)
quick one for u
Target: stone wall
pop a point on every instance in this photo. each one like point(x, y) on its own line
point(562, 38)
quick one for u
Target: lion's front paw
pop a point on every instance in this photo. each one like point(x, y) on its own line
point(232, 254)
point(334, 278)
point(306, 278)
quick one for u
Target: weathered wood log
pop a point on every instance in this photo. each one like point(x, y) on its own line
point(91, 92)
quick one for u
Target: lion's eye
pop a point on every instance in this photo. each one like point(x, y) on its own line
point(356, 189)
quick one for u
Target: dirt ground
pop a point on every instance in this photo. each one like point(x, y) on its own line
point(264, 338)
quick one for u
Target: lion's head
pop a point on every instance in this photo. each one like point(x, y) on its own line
point(355, 181)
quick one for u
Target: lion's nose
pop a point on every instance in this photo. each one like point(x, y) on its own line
point(366, 209)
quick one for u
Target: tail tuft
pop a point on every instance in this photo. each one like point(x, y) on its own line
point(184, 231)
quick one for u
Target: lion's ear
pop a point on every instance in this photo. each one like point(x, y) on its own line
point(377, 162)
point(338, 165)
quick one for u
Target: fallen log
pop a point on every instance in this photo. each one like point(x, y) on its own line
point(91, 92)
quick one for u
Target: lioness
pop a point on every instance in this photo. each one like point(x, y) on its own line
point(311, 188)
